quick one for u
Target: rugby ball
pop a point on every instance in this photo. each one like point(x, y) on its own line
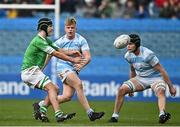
point(121, 41)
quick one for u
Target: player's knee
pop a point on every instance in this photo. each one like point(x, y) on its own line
point(122, 91)
point(67, 98)
point(159, 89)
point(57, 88)
point(52, 88)
point(160, 92)
point(79, 86)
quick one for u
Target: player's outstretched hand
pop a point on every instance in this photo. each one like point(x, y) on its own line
point(131, 94)
point(172, 90)
point(79, 66)
point(77, 60)
point(74, 53)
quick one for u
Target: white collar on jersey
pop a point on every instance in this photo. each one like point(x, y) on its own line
point(41, 37)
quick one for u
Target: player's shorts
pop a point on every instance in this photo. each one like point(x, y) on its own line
point(34, 77)
point(146, 83)
point(64, 71)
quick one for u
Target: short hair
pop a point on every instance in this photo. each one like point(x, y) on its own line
point(70, 21)
point(134, 38)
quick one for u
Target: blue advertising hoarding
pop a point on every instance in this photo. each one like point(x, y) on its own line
point(105, 88)
point(95, 88)
point(11, 87)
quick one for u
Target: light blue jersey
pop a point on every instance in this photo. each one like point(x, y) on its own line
point(143, 63)
point(78, 43)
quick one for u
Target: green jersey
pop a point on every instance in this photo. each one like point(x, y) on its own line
point(37, 51)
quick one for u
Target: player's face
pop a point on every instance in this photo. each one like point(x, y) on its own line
point(131, 47)
point(70, 31)
point(50, 30)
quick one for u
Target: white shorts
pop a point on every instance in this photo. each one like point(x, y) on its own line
point(63, 74)
point(33, 76)
point(146, 83)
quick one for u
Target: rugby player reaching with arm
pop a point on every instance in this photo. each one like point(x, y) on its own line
point(68, 71)
point(33, 63)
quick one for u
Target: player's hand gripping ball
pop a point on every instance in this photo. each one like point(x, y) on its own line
point(121, 41)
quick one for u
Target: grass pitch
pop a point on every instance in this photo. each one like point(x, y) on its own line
point(19, 113)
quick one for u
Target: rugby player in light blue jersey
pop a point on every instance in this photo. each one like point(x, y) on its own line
point(145, 72)
point(68, 71)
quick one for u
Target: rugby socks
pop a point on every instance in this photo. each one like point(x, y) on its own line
point(89, 112)
point(41, 103)
point(58, 113)
point(115, 115)
point(161, 113)
point(43, 109)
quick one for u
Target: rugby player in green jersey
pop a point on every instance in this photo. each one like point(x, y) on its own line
point(33, 63)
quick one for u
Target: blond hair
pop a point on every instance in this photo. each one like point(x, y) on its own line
point(70, 21)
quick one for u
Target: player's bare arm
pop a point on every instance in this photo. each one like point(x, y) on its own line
point(61, 55)
point(132, 71)
point(86, 59)
point(165, 76)
point(70, 52)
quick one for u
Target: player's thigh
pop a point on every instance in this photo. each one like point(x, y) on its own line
point(158, 86)
point(68, 90)
point(35, 78)
point(73, 80)
point(124, 89)
point(134, 85)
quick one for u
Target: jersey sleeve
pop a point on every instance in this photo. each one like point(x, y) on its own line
point(45, 46)
point(127, 57)
point(152, 59)
point(54, 45)
point(84, 45)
